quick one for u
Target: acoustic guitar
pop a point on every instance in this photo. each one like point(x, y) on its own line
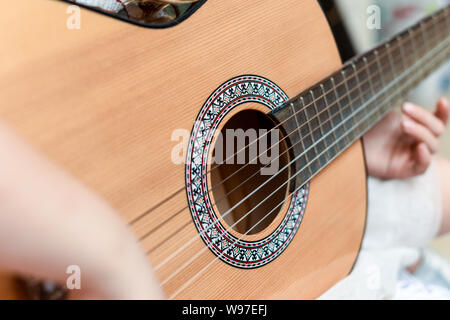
point(110, 101)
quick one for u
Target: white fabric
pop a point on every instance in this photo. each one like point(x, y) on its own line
point(108, 5)
point(403, 216)
point(410, 288)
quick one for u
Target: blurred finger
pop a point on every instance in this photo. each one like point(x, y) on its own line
point(420, 133)
point(443, 110)
point(426, 118)
point(422, 157)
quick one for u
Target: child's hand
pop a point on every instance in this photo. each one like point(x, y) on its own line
point(401, 145)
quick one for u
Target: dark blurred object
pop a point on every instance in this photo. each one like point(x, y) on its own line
point(346, 49)
point(42, 290)
point(154, 13)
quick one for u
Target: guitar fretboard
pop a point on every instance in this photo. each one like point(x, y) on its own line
point(326, 119)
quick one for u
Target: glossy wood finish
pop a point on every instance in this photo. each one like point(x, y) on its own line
point(103, 101)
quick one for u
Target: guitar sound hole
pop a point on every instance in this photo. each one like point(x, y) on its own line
point(241, 191)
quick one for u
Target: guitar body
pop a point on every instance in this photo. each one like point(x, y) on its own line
point(103, 101)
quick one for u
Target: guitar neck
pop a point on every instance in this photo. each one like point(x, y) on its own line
point(326, 119)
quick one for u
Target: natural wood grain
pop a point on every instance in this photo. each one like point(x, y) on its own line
point(103, 101)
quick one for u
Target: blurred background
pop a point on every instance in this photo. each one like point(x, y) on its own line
point(348, 19)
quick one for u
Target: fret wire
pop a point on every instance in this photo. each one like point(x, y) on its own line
point(348, 91)
point(405, 66)
point(324, 123)
point(322, 143)
point(364, 79)
point(385, 68)
point(330, 120)
point(296, 122)
point(424, 33)
point(368, 77)
point(370, 80)
point(441, 31)
point(420, 41)
point(378, 62)
point(433, 30)
point(359, 85)
point(181, 288)
point(302, 146)
point(365, 67)
point(315, 123)
point(360, 92)
point(337, 96)
point(408, 50)
point(349, 105)
point(341, 137)
point(290, 125)
point(416, 55)
point(397, 56)
point(406, 38)
point(402, 55)
point(338, 101)
point(380, 68)
point(319, 126)
point(375, 70)
point(386, 61)
point(178, 270)
point(335, 86)
point(436, 21)
point(438, 31)
point(383, 54)
point(346, 95)
point(375, 119)
point(383, 106)
point(310, 130)
point(388, 47)
point(338, 114)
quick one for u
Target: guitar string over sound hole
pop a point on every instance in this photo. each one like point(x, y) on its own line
point(249, 154)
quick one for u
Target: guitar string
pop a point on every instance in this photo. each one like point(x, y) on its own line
point(355, 74)
point(201, 271)
point(310, 134)
point(215, 186)
point(256, 190)
point(397, 44)
point(362, 108)
point(187, 283)
point(246, 146)
point(339, 114)
point(322, 96)
point(222, 197)
point(368, 80)
point(313, 160)
point(183, 188)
